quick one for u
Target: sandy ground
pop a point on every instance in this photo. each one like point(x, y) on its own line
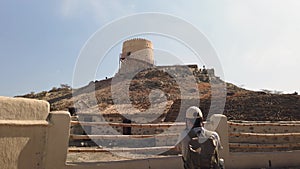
point(104, 156)
point(94, 157)
point(107, 156)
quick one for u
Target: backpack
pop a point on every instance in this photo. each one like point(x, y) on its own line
point(202, 155)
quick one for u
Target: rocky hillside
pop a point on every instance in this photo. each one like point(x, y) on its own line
point(175, 90)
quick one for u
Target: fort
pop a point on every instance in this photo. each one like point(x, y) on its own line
point(137, 55)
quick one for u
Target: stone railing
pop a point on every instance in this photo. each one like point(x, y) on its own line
point(264, 136)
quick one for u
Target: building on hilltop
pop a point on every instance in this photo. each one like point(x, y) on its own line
point(137, 54)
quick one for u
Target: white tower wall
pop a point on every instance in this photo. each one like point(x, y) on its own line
point(137, 54)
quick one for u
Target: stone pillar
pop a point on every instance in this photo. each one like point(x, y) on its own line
point(58, 139)
point(218, 123)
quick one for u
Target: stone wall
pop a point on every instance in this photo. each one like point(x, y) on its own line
point(113, 118)
point(30, 136)
point(268, 136)
point(264, 127)
point(251, 132)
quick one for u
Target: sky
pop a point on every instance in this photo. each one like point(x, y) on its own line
point(257, 41)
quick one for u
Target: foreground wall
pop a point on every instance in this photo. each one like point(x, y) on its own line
point(30, 136)
point(153, 163)
point(263, 159)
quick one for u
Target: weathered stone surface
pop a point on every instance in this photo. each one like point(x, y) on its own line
point(23, 109)
point(10, 156)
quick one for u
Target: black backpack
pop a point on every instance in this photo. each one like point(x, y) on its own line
point(203, 154)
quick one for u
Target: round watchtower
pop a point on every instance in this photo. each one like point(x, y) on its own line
point(136, 54)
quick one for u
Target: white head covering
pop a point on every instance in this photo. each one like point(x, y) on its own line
point(193, 112)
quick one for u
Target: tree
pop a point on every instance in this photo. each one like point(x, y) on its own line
point(65, 86)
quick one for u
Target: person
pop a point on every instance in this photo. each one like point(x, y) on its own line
point(195, 141)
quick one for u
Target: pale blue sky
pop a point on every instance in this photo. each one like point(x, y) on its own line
point(257, 40)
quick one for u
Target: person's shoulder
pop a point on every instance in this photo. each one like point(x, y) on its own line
point(209, 133)
point(215, 135)
point(214, 132)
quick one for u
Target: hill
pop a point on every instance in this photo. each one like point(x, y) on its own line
point(240, 104)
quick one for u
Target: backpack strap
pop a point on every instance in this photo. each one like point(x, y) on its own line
point(194, 143)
